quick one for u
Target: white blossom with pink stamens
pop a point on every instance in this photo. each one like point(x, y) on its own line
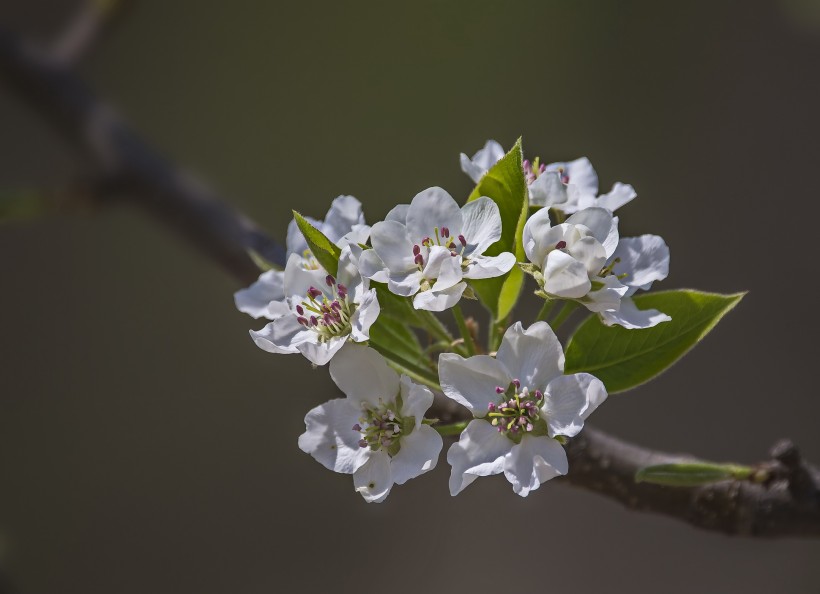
point(523, 404)
point(323, 312)
point(428, 249)
point(343, 225)
point(376, 433)
point(569, 186)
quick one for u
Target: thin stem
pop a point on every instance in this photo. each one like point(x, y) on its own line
point(451, 429)
point(562, 316)
point(465, 332)
point(434, 326)
point(411, 370)
point(545, 310)
point(492, 335)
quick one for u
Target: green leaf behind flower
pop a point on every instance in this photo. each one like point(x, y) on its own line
point(624, 359)
point(398, 337)
point(504, 183)
point(325, 251)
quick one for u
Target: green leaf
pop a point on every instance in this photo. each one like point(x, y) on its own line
point(325, 251)
point(504, 183)
point(690, 474)
point(395, 306)
point(624, 359)
point(398, 337)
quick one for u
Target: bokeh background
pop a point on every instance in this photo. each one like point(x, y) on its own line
point(146, 445)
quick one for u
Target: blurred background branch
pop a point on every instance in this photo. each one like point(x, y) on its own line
point(92, 21)
point(785, 502)
point(128, 168)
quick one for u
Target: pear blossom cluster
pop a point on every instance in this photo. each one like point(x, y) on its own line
point(363, 300)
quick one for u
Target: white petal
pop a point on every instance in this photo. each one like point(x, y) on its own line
point(482, 225)
point(365, 316)
point(600, 221)
point(406, 283)
point(320, 353)
point(580, 173)
point(480, 451)
point(534, 461)
point(632, 318)
point(449, 274)
point(489, 266)
point(264, 298)
point(533, 356)
point(296, 242)
point(566, 401)
point(330, 438)
point(534, 230)
point(589, 252)
point(594, 389)
point(416, 399)
point(363, 375)
point(619, 195)
point(472, 382)
point(282, 335)
point(348, 270)
point(439, 300)
point(547, 190)
point(429, 209)
point(644, 260)
point(358, 234)
point(564, 276)
point(441, 263)
point(372, 267)
point(489, 154)
point(482, 161)
point(608, 297)
point(345, 211)
point(398, 213)
point(298, 279)
point(373, 480)
point(577, 201)
point(393, 246)
point(418, 454)
point(475, 172)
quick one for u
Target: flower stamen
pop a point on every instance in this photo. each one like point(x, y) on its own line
point(518, 412)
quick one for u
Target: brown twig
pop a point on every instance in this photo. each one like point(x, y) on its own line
point(786, 503)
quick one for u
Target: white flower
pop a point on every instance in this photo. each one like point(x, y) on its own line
point(583, 259)
point(323, 312)
point(344, 224)
point(265, 298)
point(523, 401)
point(568, 186)
point(375, 433)
point(578, 182)
point(572, 257)
point(428, 248)
point(637, 262)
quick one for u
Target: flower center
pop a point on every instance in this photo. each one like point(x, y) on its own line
point(608, 269)
point(518, 412)
point(533, 170)
point(441, 237)
point(327, 315)
point(381, 427)
point(309, 262)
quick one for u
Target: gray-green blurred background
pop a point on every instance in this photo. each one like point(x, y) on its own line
point(146, 445)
